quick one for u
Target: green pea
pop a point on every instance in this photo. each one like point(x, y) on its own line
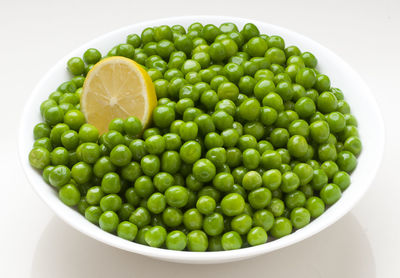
point(353, 145)
point(300, 217)
point(223, 182)
point(206, 205)
point(346, 161)
point(330, 193)
point(257, 236)
point(342, 179)
point(232, 204)
point(127, 230)
point(197, 241)
point(176, 240)
point(109, 221)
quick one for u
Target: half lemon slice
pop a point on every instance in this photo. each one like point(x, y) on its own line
point(117, 87)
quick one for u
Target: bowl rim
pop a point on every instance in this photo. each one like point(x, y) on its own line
point(65, 212)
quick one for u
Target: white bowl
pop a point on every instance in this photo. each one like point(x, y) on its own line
point(356, 92)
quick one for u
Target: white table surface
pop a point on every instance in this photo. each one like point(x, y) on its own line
point(35, 34)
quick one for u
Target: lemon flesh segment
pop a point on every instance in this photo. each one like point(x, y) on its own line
point(117, 87)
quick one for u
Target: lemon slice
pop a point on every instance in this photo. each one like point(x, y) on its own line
point(117, 87)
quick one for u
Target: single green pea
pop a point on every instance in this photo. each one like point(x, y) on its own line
point(300, 217)
point(342, 179)
point(346, 161)
point(140, 217)
point(176, 240)
point(89, 133)
point(232, 204)
point(163, 116)
point(305, 173)
point(111, 183)
point(150, 165)
point(259, 198)
point(279, 137)
point(290, 182)
point(197, 241)
point(110, 202)
point(93, 213)
point(319, 131)
point(127, 230)
point(176, 196)
point(263, 218)
point(109, 221)
point(206, 205)
point(353, 145)
point(213, 224)
point(156, 236)
point(223, 182)
point(271, 160)
point(76, 66)
point(231, 240)
point(327, 102)
point(69, 195)
point(315, 206)
point(297, 146)
point(295, 199)
point(251, 158)
point(282, 227)
point(257, 236)
point(59, 176)
point(330, 193)
point(251, 180)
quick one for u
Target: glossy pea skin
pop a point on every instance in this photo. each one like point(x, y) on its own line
point(330, 193)
point(297, 146)
point(330, 168)
point(295, 199)
point(110, 202)
point(204, 170)
point(304, 172)
point(205, 205)
point(197, 241)
point(327, 102)
point(176, 196)
point(282, 227)
point(39, 157)
point(213, 224)
point(342, 179)
point(223, 182)
point(150, 165)
point(127, 230)
point(319, 131)
point(232, 204)
point(263, 218)
point(315, 206)
point(109, 221)
point(193, 219)
point(300, 217)
point(259, 198)
point(231, 241)
point(69, 195)
point(257, 236)
point(353, 144)
point(346, 161)
point(276, 207)
point(290, 182)
point(272, 179)
point(176, 240)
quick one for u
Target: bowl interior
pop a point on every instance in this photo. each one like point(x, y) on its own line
point(356, 92)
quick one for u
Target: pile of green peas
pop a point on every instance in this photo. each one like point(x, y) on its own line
point(248, 141)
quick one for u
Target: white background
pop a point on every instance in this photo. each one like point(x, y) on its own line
point(35, 34)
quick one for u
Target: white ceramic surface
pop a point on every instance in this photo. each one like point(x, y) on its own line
point(341, 74)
